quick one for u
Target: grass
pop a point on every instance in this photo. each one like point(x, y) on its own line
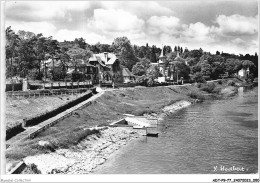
point(108, 108)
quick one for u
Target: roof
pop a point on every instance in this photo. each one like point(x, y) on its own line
point(50, 63)
point(179, 59)
point(127, 73)
point(104, 58)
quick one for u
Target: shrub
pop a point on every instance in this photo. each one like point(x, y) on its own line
point(231, 83)
point(197, 77)
point(195, 95)
point(198, 85)
point(34, 169)
point(220, 82)
point(141, 80)
point(209, 87)
point(75, 137)
point(34, 74)
point(76, 76)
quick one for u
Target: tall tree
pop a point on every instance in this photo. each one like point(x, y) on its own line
point(124, 49)
point(153, 55)
point(81, 42)
point(12, 43)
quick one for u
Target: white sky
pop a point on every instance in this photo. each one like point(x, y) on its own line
point(229, 26)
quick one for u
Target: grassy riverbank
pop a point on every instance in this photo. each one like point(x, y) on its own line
point(17, 110)
point(110, 107)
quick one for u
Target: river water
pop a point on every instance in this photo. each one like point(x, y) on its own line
point(219, 136)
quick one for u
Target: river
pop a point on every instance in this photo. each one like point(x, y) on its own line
point(219, 136)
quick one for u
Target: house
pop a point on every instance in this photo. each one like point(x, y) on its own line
point(83, 67)
point(244, 72)
point(52, 65)
point(127, 75)
point(108, 65)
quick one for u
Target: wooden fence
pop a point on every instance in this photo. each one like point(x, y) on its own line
point(70, 85)
point(17, 95)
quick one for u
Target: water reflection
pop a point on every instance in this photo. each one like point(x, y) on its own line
point(221, 133)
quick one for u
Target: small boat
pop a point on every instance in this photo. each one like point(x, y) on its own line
point(152, 134)
point(138, 127)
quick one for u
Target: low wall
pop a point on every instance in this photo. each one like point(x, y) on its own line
point(44, 116)
point(12, 131)
point(15, 86)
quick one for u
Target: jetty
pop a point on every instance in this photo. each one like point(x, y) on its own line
point(139, 122)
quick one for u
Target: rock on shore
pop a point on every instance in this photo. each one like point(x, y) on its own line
point(229, 91)
point(176, 106)
point(87, 155)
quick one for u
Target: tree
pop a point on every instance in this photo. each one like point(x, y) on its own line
point(146, 63)
point(195, 54)
point(123, 48)
point(206, 68)
point(232, 66)
point(181, 50)
point(247, 64)
point(12, 43)
point(40, 49)
point(217, 53)
point(152, 73)
point(167, 50)
point(138, 69)
point(182, 69)
point(153, 55)
point(26, 57)
point(81, 42)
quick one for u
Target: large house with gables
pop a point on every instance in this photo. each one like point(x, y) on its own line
point(108, 66)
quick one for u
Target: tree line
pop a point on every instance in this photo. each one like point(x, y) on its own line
point(25, 52)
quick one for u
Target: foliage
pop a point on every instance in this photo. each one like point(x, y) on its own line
point(195, 95)
point(138, 69)
point(142, 80)
point(26, 50)
point(76, 76)
point(198, 77)
point(231, 83)
point(34, 74)
point(123, 48)
point(208, 87)
point(232, 66)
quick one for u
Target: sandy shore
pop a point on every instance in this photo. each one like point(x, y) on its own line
point(87, 155)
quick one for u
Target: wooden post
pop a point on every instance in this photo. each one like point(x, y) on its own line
point(78, 84)
point(146, 130)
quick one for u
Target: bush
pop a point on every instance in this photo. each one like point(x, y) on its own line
point(34, 74)
point(209, 87)
point(198, 85)
point(34, 169)
point(195, 95)
point(142, 80)
point(198, 77)
point(231, 83)
point(220, 82)
point(77, 76)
